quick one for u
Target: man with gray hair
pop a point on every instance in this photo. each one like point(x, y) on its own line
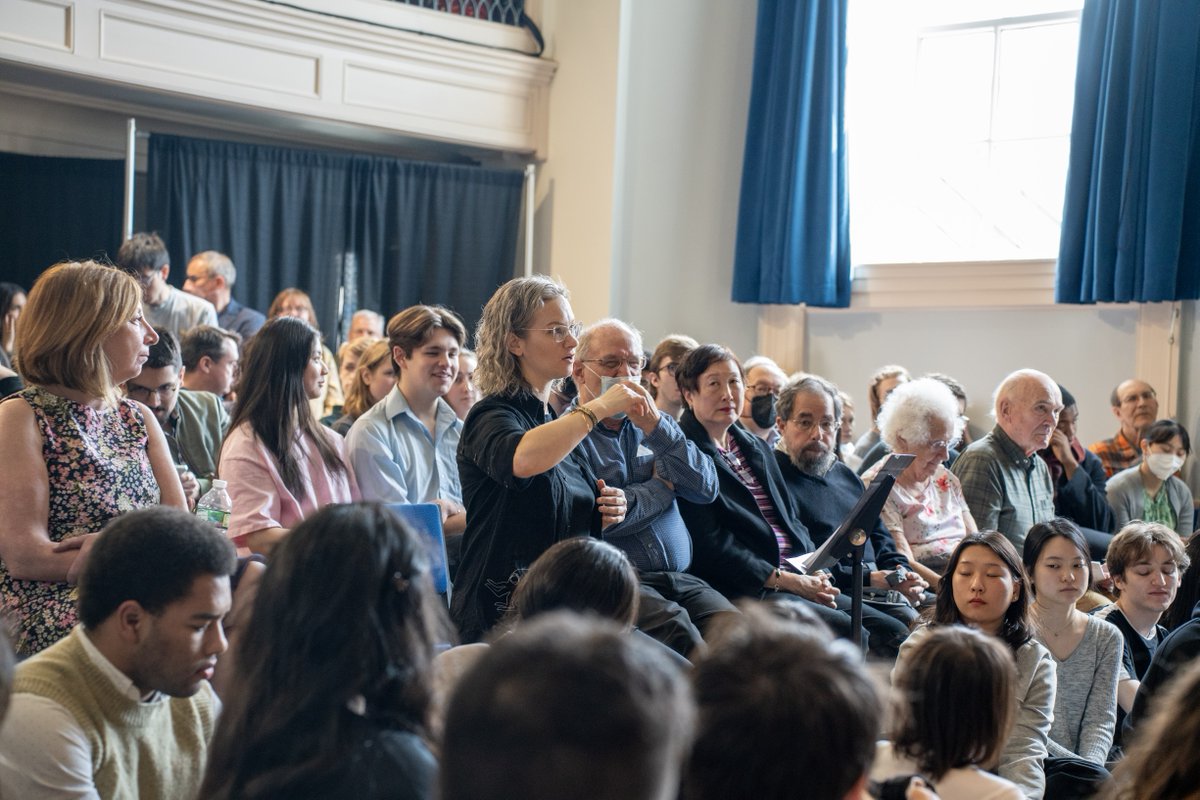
point(211, 275)
point(365, 322)
point(1006, 486)
point(649, 457)
point(826, 490)
point(764, 380)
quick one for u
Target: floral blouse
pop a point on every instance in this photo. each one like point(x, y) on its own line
point(98, 468)
point(932, 520)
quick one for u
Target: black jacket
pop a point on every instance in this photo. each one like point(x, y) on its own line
point(735, 550)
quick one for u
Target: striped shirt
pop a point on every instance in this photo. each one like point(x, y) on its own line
point(737, 462)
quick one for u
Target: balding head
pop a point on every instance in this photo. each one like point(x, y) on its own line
point(1135, 404)
point(1027, 405)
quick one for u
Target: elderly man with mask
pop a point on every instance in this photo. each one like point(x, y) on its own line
point(1135, 405)
point(649, 457)
point(826, 490)
point(1006, 486)
point(764, 381)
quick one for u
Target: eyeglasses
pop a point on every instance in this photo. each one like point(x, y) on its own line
point(134, 390)
point(560, 332)
point(670, 369)
point(144, 279)
point(609, 364)
point(943, 444)
point(806, 425)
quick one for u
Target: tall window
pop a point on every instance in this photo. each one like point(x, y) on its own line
point(958, 118)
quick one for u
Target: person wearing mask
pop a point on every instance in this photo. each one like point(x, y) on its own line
point(1151, 491)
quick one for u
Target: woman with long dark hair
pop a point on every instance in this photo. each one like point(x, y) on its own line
point(985, 587)
point(280, 462)
point(333, 687)
point(293, 302)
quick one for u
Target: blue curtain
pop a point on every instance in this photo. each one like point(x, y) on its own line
point(389, 232)
point(793, 235)
point(1131, 217)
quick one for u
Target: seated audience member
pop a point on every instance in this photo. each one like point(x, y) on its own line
point(1006, 486)
point(334, 686)
point(764, 380)
point(348, 357)
point(292, 302)
point(145, 257)
point(525, 483)
point(650, 459)
point(882, 448)
point(464, 393)
point(1087, 650)
point(567, 706)
point(404, 448)
point(211, 276)
point(743, 539)
point(374, 378)
point(365, 323)
point(883, 383)
point(986, 589)
point(1164, 763)
point(1181, 608)
point(280, 463)
point(926, 512)
point(665, 359)
point(122, 706)
point(1144, 562)
point(193, 422)
point(953, 707)
point(825, 491)
point(1177, 651)
point(76, 453)
point(12, 303)
point(783, 713)
point(580, 574)
point(1135, 405)
point(1151, 491)
point(846, 433)
point(210, 360)
point(1078, 479)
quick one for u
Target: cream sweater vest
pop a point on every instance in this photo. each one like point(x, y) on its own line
point(139, 750)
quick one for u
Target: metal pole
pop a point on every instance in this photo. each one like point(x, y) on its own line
point(130, 171)
point(530, 206)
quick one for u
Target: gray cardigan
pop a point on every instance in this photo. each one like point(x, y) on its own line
point(1127, 497)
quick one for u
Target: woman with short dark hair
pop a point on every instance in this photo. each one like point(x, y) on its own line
point(952, 714)
point(1151, 491)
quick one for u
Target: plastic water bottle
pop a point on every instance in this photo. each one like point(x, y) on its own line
point(215, 506)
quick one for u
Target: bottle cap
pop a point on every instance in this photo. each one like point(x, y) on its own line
point(219, 484)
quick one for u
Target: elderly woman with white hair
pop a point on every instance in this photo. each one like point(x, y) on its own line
point(926, 512)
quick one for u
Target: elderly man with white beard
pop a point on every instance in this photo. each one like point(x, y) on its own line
point(826, 490)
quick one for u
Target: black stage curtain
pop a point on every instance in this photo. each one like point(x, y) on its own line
point(57, 209)
point(392, 232)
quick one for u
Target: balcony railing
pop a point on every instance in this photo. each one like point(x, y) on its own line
point(506, 12)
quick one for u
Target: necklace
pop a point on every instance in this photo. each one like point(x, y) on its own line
point(1056, 633)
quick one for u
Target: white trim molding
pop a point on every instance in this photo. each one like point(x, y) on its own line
point(385, 68)
point(981, 284)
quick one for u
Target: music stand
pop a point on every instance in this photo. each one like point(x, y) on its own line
point(851, 535)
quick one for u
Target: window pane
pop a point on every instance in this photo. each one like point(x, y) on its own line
point(954, 85)
point(1036, 89)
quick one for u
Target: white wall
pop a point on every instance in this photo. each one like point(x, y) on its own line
point(1087, 350)
point(685, 89)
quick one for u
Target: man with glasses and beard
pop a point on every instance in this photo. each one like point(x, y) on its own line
point(826, 490)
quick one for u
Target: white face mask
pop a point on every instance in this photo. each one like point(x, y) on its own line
point(1163, 465)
